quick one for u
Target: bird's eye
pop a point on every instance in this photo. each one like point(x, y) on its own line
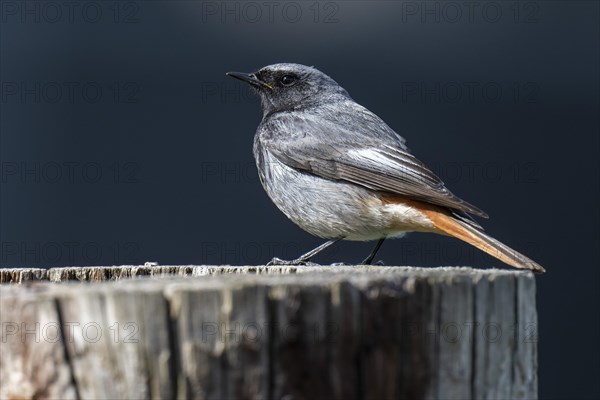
point(288, 80)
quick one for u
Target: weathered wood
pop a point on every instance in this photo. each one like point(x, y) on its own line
point(99, 274)
point(268, 332)
point(524, 354)
point(21, 275)
point(344, 341)
point(122, 333)
point(33, 361)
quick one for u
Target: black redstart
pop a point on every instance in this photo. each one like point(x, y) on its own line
point(339, 172)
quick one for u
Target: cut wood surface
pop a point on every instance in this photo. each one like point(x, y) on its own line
point(256, 332)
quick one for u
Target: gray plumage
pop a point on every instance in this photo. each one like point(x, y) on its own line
point(330, 154)
point(328, 163)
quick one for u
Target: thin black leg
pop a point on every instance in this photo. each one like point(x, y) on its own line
point(304, 257)
point(369, 259)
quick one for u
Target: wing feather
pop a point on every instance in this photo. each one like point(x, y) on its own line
point(375, 157)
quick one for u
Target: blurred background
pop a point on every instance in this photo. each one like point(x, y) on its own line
point(122, 140)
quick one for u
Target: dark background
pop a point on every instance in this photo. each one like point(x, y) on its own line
point(122, 140)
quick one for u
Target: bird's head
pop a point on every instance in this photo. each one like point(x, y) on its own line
point(286, 87)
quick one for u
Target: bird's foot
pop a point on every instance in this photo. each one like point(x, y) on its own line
point(338, 264)
point(298, 261)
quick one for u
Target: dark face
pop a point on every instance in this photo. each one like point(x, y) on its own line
point(291, 86)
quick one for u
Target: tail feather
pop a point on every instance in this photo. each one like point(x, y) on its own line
point(470, 234)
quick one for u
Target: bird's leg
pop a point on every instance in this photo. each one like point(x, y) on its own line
point(369, 259)
point(304, 258)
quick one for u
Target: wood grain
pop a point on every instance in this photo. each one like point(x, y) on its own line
point(209, 332)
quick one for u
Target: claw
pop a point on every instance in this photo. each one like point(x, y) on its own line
point(277, 261)
point(298, 261)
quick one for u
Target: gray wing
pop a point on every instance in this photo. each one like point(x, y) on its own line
point(359, 149)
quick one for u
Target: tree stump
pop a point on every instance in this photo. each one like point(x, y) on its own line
point(319, 332)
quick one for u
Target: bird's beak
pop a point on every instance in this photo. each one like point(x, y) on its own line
point(249, 78)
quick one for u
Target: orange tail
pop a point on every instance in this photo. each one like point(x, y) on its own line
point(467, 233)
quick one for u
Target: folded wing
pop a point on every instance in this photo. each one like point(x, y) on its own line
point(369, 158)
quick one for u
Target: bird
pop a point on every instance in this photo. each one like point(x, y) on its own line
point(339, 172)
